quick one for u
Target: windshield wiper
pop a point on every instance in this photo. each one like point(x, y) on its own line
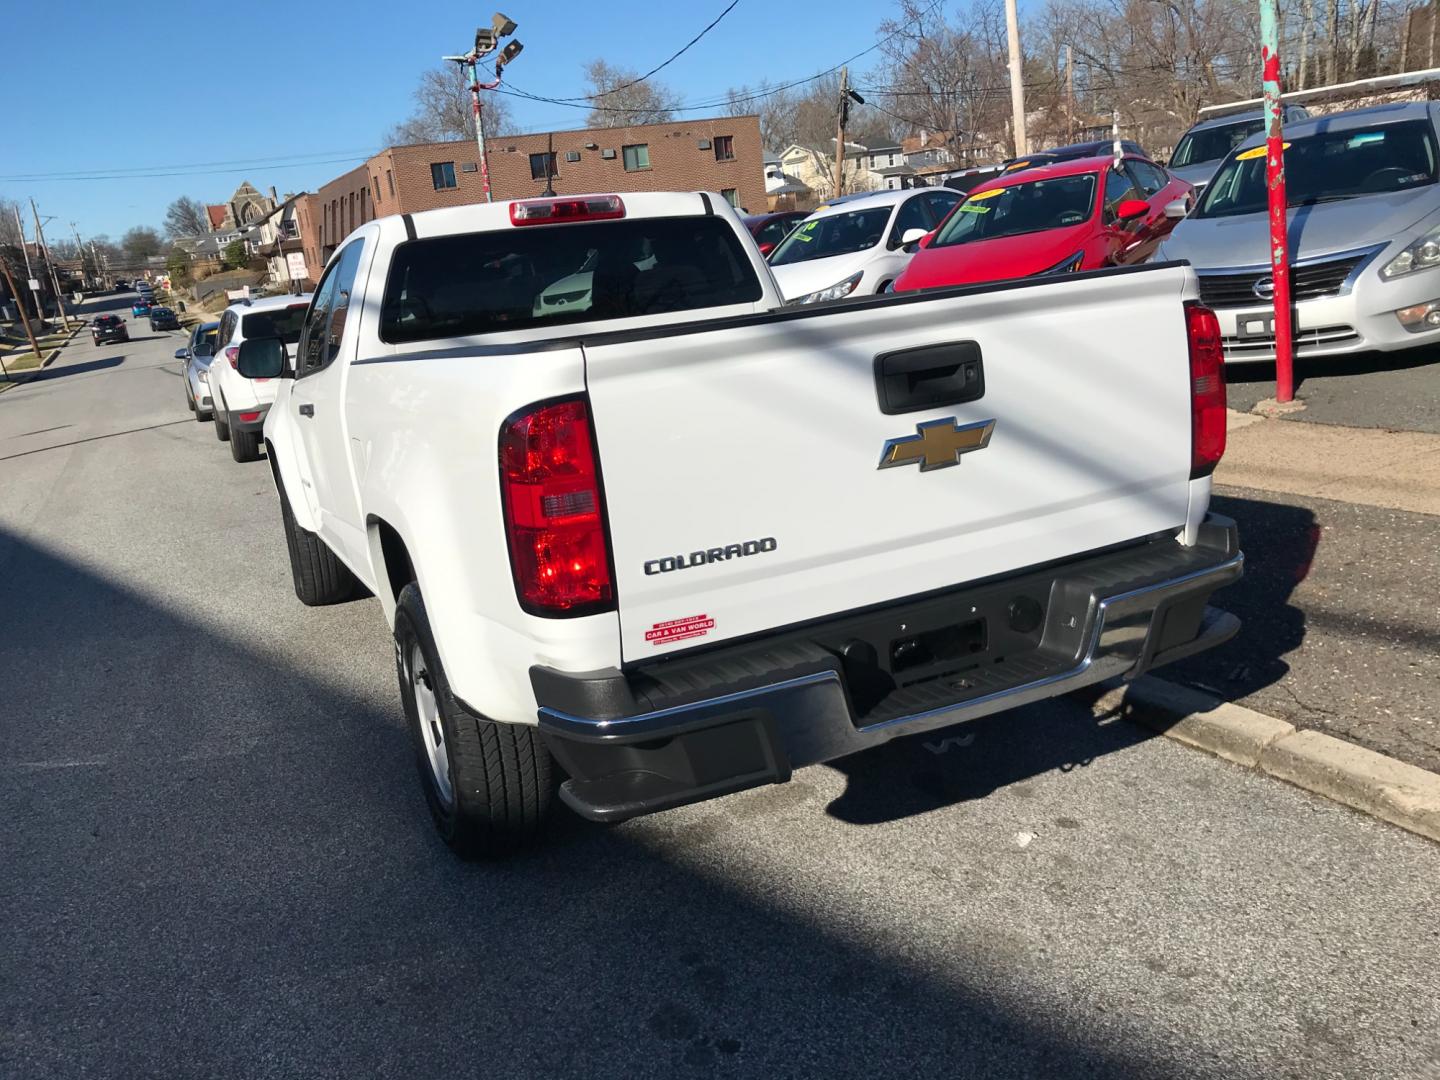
point(1323, 198)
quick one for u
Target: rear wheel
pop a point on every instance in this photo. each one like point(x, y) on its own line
point(488, 785)
point(320, 578)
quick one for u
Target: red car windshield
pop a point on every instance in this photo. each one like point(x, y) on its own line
point(1034, 206)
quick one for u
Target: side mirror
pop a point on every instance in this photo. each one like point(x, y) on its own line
point(1131, 209)
point(1176, 209)
point(204, 349)
point(262, 358)
point(182, 354)
point(912, 236)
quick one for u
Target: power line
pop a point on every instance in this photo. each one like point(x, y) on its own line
point(260, 162)
point(188, 172)
point(587, 103)
point(668, 60)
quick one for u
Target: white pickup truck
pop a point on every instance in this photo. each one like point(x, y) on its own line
point(630, 515)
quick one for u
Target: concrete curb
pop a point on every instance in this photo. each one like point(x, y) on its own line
point(1372, 783)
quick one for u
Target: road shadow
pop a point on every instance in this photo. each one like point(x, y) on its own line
point(1327, 367)
point(213, 865)
point(83, 368)
point(1280, 542)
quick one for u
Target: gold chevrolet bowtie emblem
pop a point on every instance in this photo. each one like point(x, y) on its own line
point(937, 444)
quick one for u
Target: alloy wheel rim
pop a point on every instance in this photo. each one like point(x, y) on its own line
point(432, 729)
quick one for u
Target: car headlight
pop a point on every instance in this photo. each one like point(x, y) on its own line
point(204, 376)
point(838, 291)
point(1067, 266)
point(1421, 254)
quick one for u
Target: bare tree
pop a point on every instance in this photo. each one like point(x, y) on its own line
point(443, 111)
point(186, 217)
point(140, 243)
point(618, 98)
point(9, 231)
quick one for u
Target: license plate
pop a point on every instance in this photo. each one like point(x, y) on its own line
point(1254, 326)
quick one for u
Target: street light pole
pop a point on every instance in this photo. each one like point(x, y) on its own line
point(54, 275)
point(486, 40)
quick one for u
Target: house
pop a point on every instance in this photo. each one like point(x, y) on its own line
point(929, 149)
point(781, 189)
point(815, 169)
point(277, 235)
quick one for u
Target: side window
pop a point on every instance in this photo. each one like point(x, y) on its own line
point(1151, 178)
point(310, 354)
point(911, 216)
point(345, 271)
point(941, 203)
point(1118, 188)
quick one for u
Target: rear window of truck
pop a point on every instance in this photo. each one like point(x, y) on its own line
point(541, 275)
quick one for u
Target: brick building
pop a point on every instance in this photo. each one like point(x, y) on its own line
point(721, 154)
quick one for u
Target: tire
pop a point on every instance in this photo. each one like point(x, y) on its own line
point(497, 790)
point(320, 578)
point(245, 445)
point(222, 429)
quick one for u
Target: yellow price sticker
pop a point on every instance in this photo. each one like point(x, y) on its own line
point(987, 194)
point(1256, 152)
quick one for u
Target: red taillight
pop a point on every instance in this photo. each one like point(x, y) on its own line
point(554, 515)
point(233, 355)
point(558, 211)
point(1207, 390)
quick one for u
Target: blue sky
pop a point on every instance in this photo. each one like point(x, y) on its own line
point(176, 84)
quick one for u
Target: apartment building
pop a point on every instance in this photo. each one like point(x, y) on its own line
point(721, 154)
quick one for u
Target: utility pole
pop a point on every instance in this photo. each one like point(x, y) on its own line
point(1069, 93)
point(486, 41)
point(54, 275)
point(1275, 187)
point(1017, 75)
point(10, 281)
point(1434, 10)
point(842, 114)
point(29, 274)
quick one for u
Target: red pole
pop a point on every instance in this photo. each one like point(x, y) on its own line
point(1275, 185)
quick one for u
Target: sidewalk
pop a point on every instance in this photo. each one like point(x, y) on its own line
point(1340, 601)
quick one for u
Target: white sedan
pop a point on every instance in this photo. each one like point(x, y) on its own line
point(857, 245)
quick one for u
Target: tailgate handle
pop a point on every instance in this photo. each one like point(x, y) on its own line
point(930, 376)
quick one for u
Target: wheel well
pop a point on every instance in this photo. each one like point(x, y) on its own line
point(399, 570)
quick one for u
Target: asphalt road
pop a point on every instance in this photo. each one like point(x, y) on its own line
point(216, 860)
point(1339, 607)
point(1400, 391)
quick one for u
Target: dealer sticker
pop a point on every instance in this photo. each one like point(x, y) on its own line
point(692, 626)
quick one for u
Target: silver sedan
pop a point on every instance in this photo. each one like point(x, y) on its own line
point(1364, 213)
point(197, 354)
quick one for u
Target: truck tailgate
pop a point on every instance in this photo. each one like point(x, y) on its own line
point(741, 460)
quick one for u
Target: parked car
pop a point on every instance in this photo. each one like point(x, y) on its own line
point(197, 355)
point(140, 309)
point(107, 328)
point(122, 286)
point(769, 229)
point(1073, 152)
point(857, 246)
point(162, 318)
point(1364, 233)
point(1053, 219)
point(655, 546)
point(240, 404)
point(1201, 149)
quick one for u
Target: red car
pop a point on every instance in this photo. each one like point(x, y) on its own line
point(769, 229)
point(1055, 219)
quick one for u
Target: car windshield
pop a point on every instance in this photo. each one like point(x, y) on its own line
point(519, 279)
point(107, 320)
point(1327, 166)
point(1212, 144)
point(837, 234)
point(283, 323)
point(1020, 208)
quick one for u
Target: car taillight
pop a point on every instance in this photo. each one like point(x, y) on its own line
point(554, 511)
point(233, 355)
point(558, 211)
point(1207, 390)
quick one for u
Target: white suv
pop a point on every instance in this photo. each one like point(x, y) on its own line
point(241, 404)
